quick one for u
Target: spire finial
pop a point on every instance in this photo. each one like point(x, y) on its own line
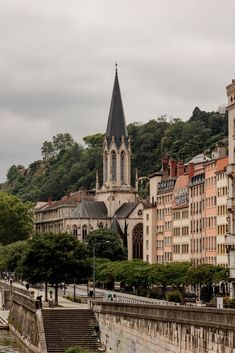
point(116, 65)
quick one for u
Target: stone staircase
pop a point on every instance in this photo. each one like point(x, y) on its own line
point(69, 327)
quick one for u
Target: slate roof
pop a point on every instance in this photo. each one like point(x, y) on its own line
point(90, 209)
point(200, 158)
point(116, 122)
point(125, 209)
point(115, 227)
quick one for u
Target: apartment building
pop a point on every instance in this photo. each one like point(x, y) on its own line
point(222, 222)
point(209, 246)
point(186, 220)
point(181, 223)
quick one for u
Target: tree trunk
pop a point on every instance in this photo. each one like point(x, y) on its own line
point(46, 292)
point(56, 294)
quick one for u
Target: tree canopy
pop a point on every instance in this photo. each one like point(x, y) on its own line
point(68, 166)
point(16, 219)
point(107, 245)
point(55, 258)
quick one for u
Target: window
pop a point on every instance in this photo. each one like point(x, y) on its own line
point(147, 245)
point(176, 232)
point(122, 167)
point(105, 166)
point(113, 165)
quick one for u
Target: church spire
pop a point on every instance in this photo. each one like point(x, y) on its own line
point(116, 126)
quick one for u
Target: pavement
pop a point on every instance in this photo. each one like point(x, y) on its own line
point(63, 302)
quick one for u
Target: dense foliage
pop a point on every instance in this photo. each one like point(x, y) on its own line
point(16, 219)
point(154, 280)
point(68, 166)
point(107, 245)
point(54, 258)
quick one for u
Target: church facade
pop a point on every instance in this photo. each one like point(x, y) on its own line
point(116, 204)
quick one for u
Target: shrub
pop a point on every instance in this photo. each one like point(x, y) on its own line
point(78, 350)
point(69, 297)
point(174, 296)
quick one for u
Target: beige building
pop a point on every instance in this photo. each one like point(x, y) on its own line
point(181, 222)
point(230, 235)
point(222, 194)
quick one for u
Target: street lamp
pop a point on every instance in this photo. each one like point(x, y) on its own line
point(94, 263)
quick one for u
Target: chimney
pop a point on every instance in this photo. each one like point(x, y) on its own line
point(180, 168)
point(191, 170)
point(49, 201)
point(173, 168)
point(165, 162)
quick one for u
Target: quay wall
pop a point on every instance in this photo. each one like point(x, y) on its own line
point(141, 328)
point(25, 319)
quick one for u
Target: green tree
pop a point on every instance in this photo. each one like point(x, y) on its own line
point(55, 258)
point(11, 256)
point(16, 219)
point(107, 245)
point(132, 274)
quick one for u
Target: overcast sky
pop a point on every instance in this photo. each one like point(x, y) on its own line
point(57, 61)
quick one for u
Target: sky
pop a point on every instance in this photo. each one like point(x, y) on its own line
point(57, 64)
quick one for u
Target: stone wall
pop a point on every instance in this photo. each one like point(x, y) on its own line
point(140, 328)
point(25, 320)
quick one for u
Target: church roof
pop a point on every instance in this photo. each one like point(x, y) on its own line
point(90, 209)
point(115, 226)
point(125, 209)
point(116, 122)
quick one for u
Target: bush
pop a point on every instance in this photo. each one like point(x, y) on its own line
point(231, 303)
point(78, 350)
point(69, 297)
point(174, 296)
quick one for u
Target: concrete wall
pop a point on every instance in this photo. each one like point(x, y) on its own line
point(157, 329)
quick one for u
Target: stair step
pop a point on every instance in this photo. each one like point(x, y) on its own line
point(65, 328)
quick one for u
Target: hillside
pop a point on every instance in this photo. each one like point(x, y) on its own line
point(68, 166)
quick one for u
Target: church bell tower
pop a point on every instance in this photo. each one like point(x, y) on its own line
point(116, 188)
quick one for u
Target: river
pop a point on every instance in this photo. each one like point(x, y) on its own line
point(10, 344)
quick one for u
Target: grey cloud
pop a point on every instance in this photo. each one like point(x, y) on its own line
point(57, 65)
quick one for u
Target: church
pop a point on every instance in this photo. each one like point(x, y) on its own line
point(116, 205)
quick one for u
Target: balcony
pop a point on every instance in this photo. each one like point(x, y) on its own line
point(230, 241)
point(230, 172)
point(230, 203)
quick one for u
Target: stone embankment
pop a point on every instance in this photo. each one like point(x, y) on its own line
point(165, 329)
point(48, 330)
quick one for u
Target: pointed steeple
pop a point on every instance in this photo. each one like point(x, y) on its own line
point(116, 126)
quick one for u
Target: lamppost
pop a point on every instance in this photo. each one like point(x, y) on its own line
point(94, 263)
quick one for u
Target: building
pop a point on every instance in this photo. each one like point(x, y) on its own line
point(230, 234)
point(222, 194)
point(187, 218)
point(115, 204)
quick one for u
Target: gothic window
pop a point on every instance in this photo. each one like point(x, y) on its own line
point(84, 231)
point(105, 166)
point(75, 230)
point(113, 165)
point(122, 167)
point(137, 241)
